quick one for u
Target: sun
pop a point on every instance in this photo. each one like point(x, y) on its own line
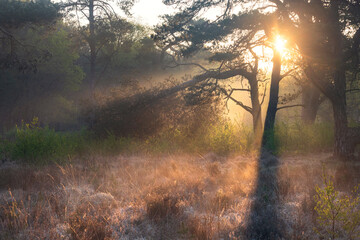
point(280, 44)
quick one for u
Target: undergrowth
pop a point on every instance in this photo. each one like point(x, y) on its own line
point(34, 144)
point(338, 215)
point(38, 145)
point(303, 138)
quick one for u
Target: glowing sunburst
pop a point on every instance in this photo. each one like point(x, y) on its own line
point(280, 44)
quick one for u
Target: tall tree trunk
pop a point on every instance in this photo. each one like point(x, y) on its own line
point(345, 138)
point(268, 136)
point(311, 101)
point(341, 148)
point(256, 111)
point(92, 46)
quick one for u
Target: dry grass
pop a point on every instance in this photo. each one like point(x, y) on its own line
point(169, 197)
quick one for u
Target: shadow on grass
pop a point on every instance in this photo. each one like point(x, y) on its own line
point(263, 220)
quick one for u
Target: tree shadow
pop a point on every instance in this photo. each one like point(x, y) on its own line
point(263, 221)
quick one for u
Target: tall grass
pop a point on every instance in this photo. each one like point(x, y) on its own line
point(223, 138)
point(303, 138)
point(227, 137)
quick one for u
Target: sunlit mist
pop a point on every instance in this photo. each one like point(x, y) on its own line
point(280, 44)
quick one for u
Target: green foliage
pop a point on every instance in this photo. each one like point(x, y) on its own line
point(46, 93)
point(134, 53)
point(40, 145)
point(15, 13)
point(60, 69)
point(36, 145)
point(337, 215)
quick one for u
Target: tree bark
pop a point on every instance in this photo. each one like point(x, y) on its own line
point(256, 111)
point(311, 102)
point(345, 138)
point(341, 148)
point(92, 46)
point(268, 136)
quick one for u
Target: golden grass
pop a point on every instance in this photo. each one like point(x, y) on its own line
point(168, 197)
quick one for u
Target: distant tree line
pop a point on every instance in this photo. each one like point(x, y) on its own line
point(54, 55)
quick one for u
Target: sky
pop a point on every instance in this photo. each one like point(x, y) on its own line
point(147, 12)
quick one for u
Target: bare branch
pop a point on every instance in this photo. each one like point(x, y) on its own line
point(228, 96)
point(264, 81)
point(353, 90)
point(240, 89)
point(187, 64)
point(288, 73)
point(290, 106)
point(263, 98)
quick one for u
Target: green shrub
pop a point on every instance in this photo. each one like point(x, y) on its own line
point(337, 215)
point(37, 145)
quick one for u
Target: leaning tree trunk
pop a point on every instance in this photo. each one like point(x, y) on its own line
point(268, 136)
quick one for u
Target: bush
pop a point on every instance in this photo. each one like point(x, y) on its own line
point(337, 216)
point(37, 145)
point(146, 114)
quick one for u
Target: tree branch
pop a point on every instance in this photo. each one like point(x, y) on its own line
point(240, 89)
point(287, 73)
point(290, 106)
point(263, 98)
point(353, 90)
point(187, 64)
point(228, 96)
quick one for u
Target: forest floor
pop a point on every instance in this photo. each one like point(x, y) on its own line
point(168, 197)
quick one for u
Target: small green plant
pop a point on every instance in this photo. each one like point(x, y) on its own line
point(337, 215)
